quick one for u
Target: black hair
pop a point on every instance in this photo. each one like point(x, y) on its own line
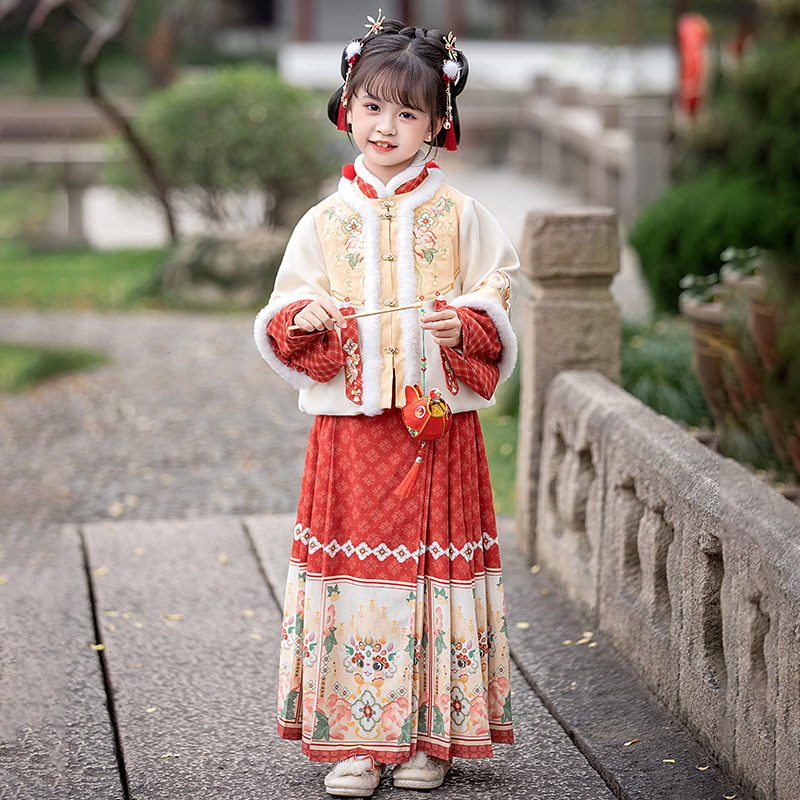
point(403, 65)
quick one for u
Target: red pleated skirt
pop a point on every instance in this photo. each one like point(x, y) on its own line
point(394, 630)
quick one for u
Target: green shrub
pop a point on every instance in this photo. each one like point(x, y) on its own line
point(692, 223)
point(752, 127)
point(234, 129)
point(656, 367)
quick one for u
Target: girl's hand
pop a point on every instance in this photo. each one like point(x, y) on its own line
point(445, 327)
point(319, 315)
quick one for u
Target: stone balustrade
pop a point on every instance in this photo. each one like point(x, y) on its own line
point(610, 150)
point(689, 564)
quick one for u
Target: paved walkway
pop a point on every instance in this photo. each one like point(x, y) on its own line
point(186, 423)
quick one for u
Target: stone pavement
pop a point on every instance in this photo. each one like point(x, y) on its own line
point(146, 505)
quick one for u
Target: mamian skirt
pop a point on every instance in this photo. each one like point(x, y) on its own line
point(394, 632)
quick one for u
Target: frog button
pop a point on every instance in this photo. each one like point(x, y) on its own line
point(392, 351)
point(391, 302)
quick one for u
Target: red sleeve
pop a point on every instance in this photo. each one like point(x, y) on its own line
point(476, 363)
point(318, 354)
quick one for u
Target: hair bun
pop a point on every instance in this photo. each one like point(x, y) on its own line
point(463, 71)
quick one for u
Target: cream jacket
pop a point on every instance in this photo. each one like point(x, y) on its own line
point(393, 250)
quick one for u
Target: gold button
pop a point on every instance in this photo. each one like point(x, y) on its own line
point(392, 351)
point(387, 204)
point(389, 257)
point(388, 215)
point(391, 303)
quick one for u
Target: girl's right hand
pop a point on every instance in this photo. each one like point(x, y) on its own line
point(319, 315)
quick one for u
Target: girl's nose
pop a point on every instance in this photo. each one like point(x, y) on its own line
point(385, 124)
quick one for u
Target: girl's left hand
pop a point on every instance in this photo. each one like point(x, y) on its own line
point(444, 325)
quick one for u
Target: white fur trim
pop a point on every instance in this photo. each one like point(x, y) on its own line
point(352, 49)
point(452, 70)
point(407, 272)
point(369, 328)
point(388, 189)
point(354, 765)
point(498, 315)
point(292, 376)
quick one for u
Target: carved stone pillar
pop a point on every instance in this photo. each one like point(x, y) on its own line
point(571, 322)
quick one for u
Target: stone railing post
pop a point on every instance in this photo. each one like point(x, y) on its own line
point(571, 322)
point(647, 174)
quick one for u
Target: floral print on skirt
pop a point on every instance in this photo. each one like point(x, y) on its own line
point(394, 632)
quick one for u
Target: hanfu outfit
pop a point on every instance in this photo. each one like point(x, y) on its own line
point(394, 631)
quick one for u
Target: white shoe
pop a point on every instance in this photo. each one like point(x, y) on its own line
point(357, 776)
point(420, 772)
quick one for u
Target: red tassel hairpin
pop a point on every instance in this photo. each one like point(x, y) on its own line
point(450, 73)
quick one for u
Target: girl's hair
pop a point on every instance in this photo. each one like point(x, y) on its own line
point(403, 65)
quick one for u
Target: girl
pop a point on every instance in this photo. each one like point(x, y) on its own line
point(394, 647)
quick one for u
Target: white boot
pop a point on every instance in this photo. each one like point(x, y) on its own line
point(420, 772)
point(357, 776)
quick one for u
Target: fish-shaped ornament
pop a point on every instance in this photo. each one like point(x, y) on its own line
point(427, 417)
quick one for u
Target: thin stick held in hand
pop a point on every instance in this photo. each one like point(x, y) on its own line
point(367, 314)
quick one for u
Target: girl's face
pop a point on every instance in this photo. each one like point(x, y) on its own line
point(388, 134)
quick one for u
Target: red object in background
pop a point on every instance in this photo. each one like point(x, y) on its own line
point(694, 35)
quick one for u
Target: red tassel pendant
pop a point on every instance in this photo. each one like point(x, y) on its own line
point(450, 139)
point(341, 123)
point(407, 484)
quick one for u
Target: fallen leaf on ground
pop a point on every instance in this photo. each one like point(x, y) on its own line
point(632, 741)
point(174, 617)
point(668, 760)
point(99, 572)
point(592, 644)
point(139, 551)
point(567, 641)
point(112, 613)
point(704, 768)
point(523, 626)
point(223, 558)
point(97, 646)
point(536, 568)
point(248, 612)
point(3, 579)
point(116, 509)
point(256, 636)
point(151, 709)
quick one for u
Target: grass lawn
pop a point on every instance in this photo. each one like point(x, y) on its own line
point(500, 437)
point(22, 366)
point(65, 279)
point(80, 278)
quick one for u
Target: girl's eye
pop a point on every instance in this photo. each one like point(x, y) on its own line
point(407, 115)
point(373, 107)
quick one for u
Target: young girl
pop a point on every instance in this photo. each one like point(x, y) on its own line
point(394, 647)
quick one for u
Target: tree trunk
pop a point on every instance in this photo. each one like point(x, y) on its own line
point(137, 146)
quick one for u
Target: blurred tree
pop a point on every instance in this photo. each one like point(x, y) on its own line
point(232, 131)
point(101, 27)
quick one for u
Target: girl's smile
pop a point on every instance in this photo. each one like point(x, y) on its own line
point(388, 134)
